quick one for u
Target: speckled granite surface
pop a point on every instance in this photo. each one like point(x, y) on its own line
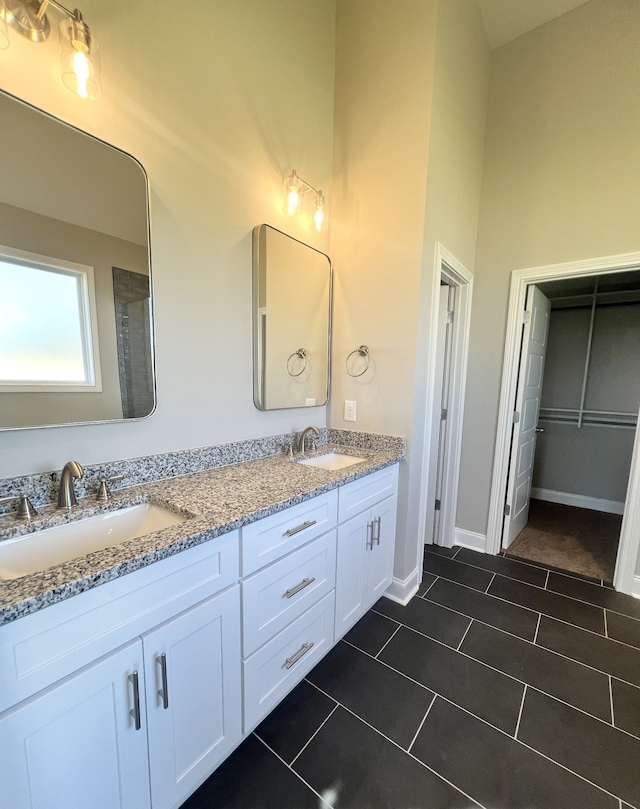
point(216, 501)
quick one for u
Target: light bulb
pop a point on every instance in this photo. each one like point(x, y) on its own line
point(81, 69)
point(292, 195)
point(319, 212)
point(293, 200)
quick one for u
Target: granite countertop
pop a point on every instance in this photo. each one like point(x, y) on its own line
point(215, 502)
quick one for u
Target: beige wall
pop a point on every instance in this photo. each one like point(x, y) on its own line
point(218, 112)
point(411, 85)
point(561, 183)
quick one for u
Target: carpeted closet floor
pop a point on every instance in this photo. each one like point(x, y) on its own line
point(568, 538)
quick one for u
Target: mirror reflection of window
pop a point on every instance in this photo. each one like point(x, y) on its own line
point(47, 325)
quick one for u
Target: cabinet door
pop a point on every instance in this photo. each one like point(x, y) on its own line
point(351, 572)
point(380, 556)
point(76, 744)
point(193, 695)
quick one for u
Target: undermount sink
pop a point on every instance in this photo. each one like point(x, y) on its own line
point(35, 552)
point(331, 461)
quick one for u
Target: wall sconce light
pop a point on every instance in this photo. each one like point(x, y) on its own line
point(294, 190)
point(78, 46)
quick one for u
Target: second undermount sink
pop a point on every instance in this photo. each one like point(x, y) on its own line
point(331, 460)
point(35, 552)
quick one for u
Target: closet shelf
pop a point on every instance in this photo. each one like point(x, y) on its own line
point(593, 418)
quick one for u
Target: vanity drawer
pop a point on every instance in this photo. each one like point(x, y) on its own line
point(366, 492)
point(279, 593)
point(272, 671)
point(268, 539)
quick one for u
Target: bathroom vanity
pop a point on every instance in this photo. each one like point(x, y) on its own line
point(129, 694)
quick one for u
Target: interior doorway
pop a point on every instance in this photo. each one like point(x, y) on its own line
point(577, 402)
point(511, 491)
point(449, 338)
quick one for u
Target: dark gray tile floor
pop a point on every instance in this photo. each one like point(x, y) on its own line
point(500, 685)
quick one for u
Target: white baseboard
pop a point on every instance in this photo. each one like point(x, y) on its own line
point(471, 540)
point(579, 500)
point(635, 592)
point(402, 591)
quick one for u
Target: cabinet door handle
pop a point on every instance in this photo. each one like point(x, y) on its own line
point(135, 711)
point(291, 661)
point(369, 542)
point(304, 583)
point(299, 528)
point(163, 692)
point(377, 534)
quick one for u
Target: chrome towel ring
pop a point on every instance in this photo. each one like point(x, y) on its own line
point(301, 354)
point(361, 351)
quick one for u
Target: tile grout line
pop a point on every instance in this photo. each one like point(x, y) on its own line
point(498, 671)
point(406, 752)
point(380, 651)
point(543, 587)
point(530, 609)
point(431, 585)
point(323, 804)
point(463, 637)
point(535, 636)
point(613, 716)
point(517, 637)
point(308, 742)
point(424, 719)
point(490, 583)
point(524, 694)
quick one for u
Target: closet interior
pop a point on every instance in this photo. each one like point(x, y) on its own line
point(588, 418)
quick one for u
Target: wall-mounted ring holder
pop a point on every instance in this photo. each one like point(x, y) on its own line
point(300, 354)
point(361, 351)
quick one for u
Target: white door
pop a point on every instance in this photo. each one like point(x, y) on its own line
point(527, 409)
point(192, 695)
point(439, 424)
point(81, 743)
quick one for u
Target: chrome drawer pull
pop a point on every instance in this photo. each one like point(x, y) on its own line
point(377, 536)
point(299, 528)
point(291, 661)
point(304, 583)
point(369, 542)
point(135, 711)
point(164, 691)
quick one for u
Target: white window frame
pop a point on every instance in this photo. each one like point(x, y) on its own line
point(85, 275)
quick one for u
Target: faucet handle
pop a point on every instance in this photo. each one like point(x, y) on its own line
point(104, 492)
point(26, 509)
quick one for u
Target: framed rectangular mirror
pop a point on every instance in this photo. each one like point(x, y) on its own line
point(76, 331)
point(291, 322)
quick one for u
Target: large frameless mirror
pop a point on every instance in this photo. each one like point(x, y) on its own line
point(291, 322)
point(76, 335)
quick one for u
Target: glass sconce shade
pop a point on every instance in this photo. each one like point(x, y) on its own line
point(292, 195)
point(319, 212)
point(80, 57)
point(4, 34)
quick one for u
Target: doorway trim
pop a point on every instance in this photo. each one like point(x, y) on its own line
point(630, 533)
point(447, 268)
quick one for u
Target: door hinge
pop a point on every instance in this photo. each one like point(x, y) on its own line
point(516, 416)
point(526, 317)
point(438, 504)
point(450, 317)
point(507, 510)
point(443, 414)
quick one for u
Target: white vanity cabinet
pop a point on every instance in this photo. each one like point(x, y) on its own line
point(75, 744)
point(365, 545)
point(131, 729)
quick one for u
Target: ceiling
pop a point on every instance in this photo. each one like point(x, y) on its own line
point(505, 20)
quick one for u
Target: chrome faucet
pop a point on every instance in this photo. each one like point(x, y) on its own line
point(66, 493)
point(303, 438)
